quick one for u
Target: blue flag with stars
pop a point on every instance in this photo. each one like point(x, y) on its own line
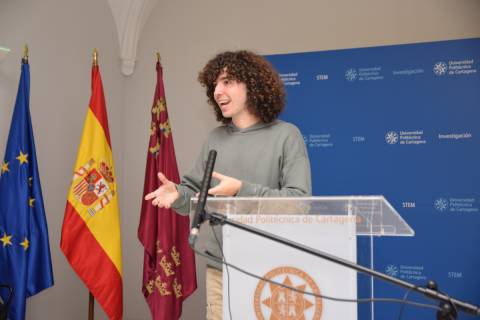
point(25, 262)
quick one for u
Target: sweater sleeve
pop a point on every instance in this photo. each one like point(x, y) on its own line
point(191, 183)
point(295, 179)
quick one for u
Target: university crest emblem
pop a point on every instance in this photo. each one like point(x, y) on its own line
point(275, 302)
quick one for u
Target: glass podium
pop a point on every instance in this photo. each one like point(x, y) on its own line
point(343, 226)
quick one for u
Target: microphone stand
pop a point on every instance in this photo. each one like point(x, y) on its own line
point(448, 306)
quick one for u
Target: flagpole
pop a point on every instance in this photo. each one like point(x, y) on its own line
point(91, 306)
point(91, 301)
point(95, 57)
point(25, 54)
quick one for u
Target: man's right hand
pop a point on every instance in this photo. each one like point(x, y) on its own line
point(165, 195)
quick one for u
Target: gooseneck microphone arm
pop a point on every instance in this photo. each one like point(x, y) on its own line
point(199, 215)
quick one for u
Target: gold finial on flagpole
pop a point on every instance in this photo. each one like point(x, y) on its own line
point(25, 54)
point(158, 56)
point(95, 57)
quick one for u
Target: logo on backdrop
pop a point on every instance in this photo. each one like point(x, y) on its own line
point(364, 74)
point(441, 204)
point(406, 272)
point(351, 74)
point(290, 79)
point(318, 140)
point(456, 205)
point(391, 137)
point(405, 137)
point(440, 68)
point(391, 270)
point(455, 68)
point(276, 302)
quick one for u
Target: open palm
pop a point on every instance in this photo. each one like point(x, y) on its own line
point(165, 195)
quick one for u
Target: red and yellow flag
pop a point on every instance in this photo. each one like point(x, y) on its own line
point(169, 263)
point(91, 226)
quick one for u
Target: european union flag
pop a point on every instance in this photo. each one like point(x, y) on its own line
point(25, 262)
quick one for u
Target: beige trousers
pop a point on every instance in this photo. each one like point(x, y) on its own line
point(214, 294)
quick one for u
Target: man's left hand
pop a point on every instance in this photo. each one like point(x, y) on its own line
point(228, 186)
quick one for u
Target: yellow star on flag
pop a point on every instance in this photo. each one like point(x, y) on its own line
point(7, 240)
point(5, 167)
point(31, 201)
point(22, 157)
point(25, 244)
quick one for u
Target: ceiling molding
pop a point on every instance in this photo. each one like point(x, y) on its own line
point(130, 17)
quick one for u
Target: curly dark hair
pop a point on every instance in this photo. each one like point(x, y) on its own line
point(265, 90)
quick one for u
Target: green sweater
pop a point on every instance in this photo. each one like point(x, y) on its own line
point(270, 159)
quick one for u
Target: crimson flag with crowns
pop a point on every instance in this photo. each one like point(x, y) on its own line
point(169, 275)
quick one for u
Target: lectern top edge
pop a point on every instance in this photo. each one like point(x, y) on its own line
point(372, 215)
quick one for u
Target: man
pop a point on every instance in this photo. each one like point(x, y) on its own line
point(258, 155)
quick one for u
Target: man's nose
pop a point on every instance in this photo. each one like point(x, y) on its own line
point(218, 90)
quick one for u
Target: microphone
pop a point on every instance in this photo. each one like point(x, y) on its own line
point(199, 215)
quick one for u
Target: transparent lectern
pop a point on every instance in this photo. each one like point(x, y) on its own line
point(343, 226)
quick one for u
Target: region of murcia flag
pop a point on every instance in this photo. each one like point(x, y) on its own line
point(91, 226)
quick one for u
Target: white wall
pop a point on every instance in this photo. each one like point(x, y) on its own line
point(61, 36)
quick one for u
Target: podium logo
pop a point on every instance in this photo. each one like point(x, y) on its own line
point(275, 302)
point(441, 204)
point(440, 68)
point(391, 137)
point(351, 74)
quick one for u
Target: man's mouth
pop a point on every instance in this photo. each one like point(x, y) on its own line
point(223, 103)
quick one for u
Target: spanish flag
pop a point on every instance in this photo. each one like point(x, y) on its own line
point(91, 226)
